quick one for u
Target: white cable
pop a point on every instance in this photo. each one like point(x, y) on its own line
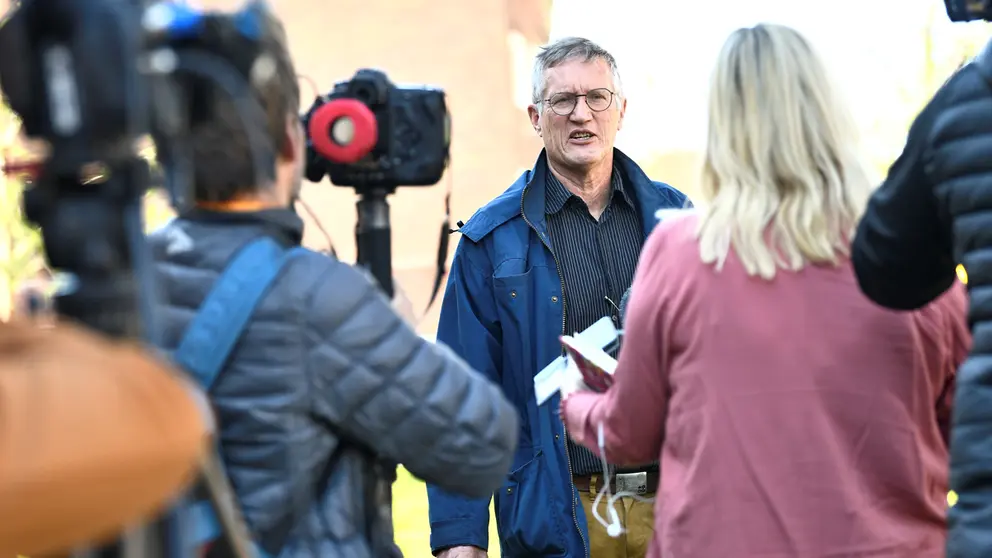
point(606, 484)
point(614, 528)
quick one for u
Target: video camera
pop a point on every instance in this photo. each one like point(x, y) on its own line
point(367, 133)
point(969, 10)
point(370, 135)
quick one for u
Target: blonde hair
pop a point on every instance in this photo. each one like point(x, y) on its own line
point(782, 182)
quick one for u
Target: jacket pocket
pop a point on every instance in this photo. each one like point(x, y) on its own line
point(525, 513)
point(522, 315)
point(515, 294)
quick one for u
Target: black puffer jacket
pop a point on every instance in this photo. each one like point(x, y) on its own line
point(935, 210)
point(326, 377)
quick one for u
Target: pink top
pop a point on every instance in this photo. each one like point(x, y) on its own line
point(793, 418)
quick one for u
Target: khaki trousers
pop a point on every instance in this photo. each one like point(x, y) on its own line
point(637, 519)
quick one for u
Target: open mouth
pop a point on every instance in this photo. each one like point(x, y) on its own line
point(581, 135)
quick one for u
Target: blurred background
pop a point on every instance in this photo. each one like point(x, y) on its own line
point(887, 56)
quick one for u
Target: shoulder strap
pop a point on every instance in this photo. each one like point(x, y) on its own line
point(214, 332)
point(222, 318)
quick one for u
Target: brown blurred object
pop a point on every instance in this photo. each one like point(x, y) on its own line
point(95, 436)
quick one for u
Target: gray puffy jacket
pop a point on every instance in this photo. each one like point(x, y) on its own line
point(325, 379)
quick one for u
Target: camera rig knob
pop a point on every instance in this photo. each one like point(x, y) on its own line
point(343, 130)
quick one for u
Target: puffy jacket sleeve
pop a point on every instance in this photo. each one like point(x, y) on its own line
point(902, 252)
point(407, 399)
point(468, 325)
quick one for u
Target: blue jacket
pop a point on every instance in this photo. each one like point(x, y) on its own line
point(503, 311)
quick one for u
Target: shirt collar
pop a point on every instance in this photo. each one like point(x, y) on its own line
point(557, 195)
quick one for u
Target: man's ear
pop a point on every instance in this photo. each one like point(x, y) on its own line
point(535, 119)
point(623, 112)
point(294, 140)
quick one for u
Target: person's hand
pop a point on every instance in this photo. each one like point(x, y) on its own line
point(571, 380)
point(463, 552)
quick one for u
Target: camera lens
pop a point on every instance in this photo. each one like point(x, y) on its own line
point(343, 130)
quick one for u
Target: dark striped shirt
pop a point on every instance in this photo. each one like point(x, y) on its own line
point(596, 261)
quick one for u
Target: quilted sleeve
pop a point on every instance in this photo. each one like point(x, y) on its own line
point(902, 251)
point(409, 400)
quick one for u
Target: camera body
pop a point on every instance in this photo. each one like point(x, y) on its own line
point(969, 10)
point(368, 133)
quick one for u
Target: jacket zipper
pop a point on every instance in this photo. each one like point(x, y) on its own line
point(564, 308)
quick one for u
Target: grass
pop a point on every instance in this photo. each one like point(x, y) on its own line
point(413, 531)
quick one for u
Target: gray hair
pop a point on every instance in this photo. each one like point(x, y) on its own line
point(564, 50)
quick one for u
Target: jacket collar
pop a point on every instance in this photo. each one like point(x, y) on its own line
point(646, 194)
point(557, 195)
point(526, 197)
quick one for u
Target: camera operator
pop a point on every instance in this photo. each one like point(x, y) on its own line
point(94, 434)
point(327, 379)
point(934, 211)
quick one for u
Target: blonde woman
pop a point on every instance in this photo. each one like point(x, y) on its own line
point(793, 417)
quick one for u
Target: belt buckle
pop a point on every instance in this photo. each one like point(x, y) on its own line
point(633, 483)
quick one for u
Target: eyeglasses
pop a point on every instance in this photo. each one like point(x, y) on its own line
point(597, 100)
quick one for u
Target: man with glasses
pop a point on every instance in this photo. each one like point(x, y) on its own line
point(553, 254)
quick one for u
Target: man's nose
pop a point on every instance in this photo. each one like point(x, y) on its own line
point(582, 112)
